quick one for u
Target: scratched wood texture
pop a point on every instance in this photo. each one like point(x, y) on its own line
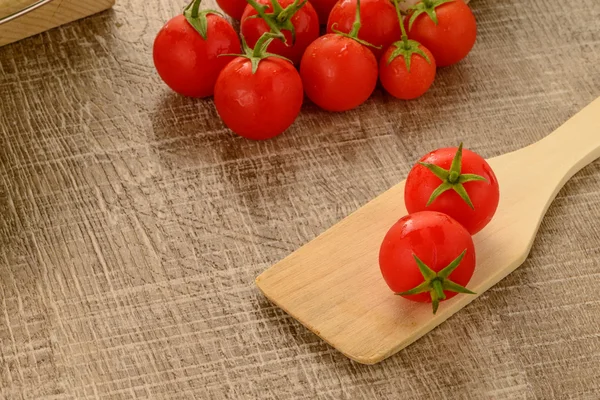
point(133, 223)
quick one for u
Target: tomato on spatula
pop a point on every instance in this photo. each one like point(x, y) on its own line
point(457, 182)
point(427, 257)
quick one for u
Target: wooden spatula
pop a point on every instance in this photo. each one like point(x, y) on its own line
point(333, 284)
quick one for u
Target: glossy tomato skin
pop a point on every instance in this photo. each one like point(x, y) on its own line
point(484, 195)
point(452, 38)
point(305, 20)
point(338, 73)
point(261, 105)
point(402, 84)
point(186, 62)
point(379, 22)
point(437, 240)
point(233, 8)
point(323, 8)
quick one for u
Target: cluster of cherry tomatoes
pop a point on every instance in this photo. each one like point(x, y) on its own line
point(429, 255)
point(259, 82)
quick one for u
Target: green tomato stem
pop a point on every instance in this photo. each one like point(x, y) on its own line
point(452, 179)
point(402, 29)
point(276, 6)
point(195, 8)
point(289, 11)
point(196, 18)
point(435, 283)
point(428, 7)
point(279, 18)
point(262, 43)
point(355, 28)
point(282, 16)
point(259, 52)
point(439, 290)
point(356, 25)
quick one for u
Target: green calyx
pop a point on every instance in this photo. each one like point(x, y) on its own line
point(197, 18)
point(452, 179)
point(279, 18)
point(428, 7)
point(259, 52)
point(405, 47)
point(436, 283)
point(355, 28)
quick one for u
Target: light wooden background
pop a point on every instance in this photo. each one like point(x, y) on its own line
point(133, 224)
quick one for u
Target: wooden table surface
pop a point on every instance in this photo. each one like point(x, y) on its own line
point(133, 223)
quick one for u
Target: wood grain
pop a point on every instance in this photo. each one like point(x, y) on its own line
point(333, 284)
point(48, 16)
point(133, 224)
point(8, 7)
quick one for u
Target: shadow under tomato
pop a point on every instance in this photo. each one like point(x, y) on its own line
point(189, 134)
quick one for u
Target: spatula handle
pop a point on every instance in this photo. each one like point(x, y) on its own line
point(573, 145)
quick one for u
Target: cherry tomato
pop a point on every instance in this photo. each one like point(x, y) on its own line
point(440, 244)
point(262, 104)
point(188, 63)
point(233, 8)
point(338, 73)
point(407, 68)
point(456, 182)
point(452, 37)
point(323, 8)
point(304, 20)
point(379, 27)
point(401, 82)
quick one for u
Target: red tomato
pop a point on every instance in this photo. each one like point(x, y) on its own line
point(305, 22)
point(470, 180)
point(258, 105)
point(338, 73)
point(379, 22)
point(398, 81)
point(186, 62)
point(323, 8)
point(233, 8)
point(437, 241)
point(452, 37)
